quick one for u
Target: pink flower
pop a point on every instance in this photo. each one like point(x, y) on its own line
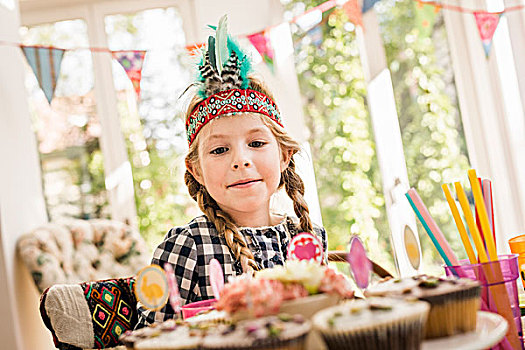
point(101, 315)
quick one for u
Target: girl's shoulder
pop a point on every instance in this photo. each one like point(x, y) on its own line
point(294, 223)
point(197, 227)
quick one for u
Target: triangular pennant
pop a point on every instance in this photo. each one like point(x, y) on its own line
point(353, 12)
point(368, 4)
point(262, 43)
point(316, 35)
point(425, 18)
point(45, 63)
point(195, 49)
point(487, 23)
point(131, 61)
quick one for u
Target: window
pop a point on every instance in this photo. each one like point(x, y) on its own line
point(68, 130)
point(153, 125)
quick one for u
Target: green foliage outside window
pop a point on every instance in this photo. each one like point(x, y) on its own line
point(344, 156)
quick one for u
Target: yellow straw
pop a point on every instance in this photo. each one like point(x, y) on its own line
point(482, 214)
point(470, 223)
point(459, 223)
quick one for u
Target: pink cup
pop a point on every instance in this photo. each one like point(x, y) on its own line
point(192, 309)
point(508, 265)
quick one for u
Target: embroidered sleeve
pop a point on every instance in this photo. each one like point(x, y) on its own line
point(178, 249)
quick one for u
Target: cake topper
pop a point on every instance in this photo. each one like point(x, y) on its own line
point(305, 246)
point(151, 287)
point(216, 278)
point(173, 288)
point(360, 265)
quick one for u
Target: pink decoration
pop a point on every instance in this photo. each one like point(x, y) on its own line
point(262, 43)
point(305, 246)
point(216, 278)
point(353, 11)
point(360, 265)
point(487, 24)
point(433, 226)
point(173, 288)
point(131, 61)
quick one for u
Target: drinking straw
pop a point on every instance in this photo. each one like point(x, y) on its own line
point(459, 223)
point(433, 226)
point(486, 186)
point(429, 232)
point(478, 199)
point(478, 222)
point(464, 235)
point(463, 201)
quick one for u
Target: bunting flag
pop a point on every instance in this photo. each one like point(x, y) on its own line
point(316, 35)
point(132, 62)
point(487, 24)
point(352, 10)
point(194, 49)
point(262, 43)
point(45, 63)
point(368, 4)
point(425, 18)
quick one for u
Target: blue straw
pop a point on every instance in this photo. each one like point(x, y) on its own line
point(431, 235)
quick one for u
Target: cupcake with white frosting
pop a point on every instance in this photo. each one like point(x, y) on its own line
point(373, 324)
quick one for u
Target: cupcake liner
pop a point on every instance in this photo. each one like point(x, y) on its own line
point(297, 343)
point(404, 335)
point(452, 317)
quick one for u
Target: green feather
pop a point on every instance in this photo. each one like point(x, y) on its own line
point(221, 44)
point(211, 50)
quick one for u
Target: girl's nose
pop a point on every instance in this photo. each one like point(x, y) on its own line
point(245, 163)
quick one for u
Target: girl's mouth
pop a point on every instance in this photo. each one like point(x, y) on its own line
point(244, 183)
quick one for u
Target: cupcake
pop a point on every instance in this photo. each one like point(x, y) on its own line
point(454, 302)
point(375, 324)
point(282, 332)
point(168, 335)
point(209, 317)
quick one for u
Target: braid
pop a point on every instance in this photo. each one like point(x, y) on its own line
point(294, 187)
point(223, 223)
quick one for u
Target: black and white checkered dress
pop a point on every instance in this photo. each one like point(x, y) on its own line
point(190, 248)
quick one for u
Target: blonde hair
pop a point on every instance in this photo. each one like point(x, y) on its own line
point(224, 224)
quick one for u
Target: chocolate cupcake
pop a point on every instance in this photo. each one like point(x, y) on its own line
point(282, 332)
point(373, 324)
point(454, 302)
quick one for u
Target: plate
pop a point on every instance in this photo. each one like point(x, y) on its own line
point(490, 329)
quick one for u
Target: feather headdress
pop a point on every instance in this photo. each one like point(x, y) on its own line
point(223, 65)
point(224, 84)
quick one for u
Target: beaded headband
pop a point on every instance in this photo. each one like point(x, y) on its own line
point(224, 84)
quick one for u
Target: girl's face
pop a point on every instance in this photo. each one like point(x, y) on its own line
point(240, 164)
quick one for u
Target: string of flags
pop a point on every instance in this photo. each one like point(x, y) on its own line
point(45, 61)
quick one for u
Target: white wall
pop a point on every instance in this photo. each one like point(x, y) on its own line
point(21, 199)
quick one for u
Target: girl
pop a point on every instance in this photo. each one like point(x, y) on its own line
point(239, 156)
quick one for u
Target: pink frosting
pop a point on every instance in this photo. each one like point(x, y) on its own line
point(335, 283)
point(260, 296)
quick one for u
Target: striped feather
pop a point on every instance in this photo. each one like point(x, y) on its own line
point(231, 73)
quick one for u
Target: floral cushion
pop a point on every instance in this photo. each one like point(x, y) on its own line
point(73, 251)
point(90, 314)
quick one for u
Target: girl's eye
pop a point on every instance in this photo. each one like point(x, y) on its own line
point(257, 144)
point(219, 150)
